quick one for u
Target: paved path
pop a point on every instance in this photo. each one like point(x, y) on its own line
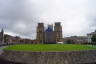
point(1, 49)
point(4, 61)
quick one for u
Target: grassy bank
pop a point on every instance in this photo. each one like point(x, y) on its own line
point(50, 47)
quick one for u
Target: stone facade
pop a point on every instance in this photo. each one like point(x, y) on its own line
point(49, 35)
point(69, 57)
point(40, 33)
point(76, 40)
point(58, 32)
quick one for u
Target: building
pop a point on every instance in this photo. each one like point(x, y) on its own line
point(89, 35)
point(76, 40)
point(51, 35)
point(58, 32)
point(2, 36)
point(40, 33)
point(8, 39)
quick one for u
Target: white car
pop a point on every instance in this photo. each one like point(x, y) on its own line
point(59, 42)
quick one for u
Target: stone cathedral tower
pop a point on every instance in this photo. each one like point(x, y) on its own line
point(40, 33)
point(58, 32)
point(49, 35)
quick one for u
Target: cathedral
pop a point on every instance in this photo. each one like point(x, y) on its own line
point(51, 35)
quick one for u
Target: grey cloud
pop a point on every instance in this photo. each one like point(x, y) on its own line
point(14, 11)
point(91, 14)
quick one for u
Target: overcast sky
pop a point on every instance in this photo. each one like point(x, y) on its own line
point(20, 17)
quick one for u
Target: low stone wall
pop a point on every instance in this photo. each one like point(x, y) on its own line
point(72, 57)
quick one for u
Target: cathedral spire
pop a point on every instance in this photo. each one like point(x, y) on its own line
point(2, 35)
point(2, 31)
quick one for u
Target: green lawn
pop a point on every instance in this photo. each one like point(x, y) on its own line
point(50, 47)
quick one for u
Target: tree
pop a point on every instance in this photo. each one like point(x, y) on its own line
point(70, 41)
point(93, 40)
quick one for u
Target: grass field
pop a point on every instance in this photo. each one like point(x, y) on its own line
point(50, 47)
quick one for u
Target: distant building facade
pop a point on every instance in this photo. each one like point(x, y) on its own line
point(76, 40)
point(40, 33)
point(89, 35)
point(50, 35)
point(58, 32)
